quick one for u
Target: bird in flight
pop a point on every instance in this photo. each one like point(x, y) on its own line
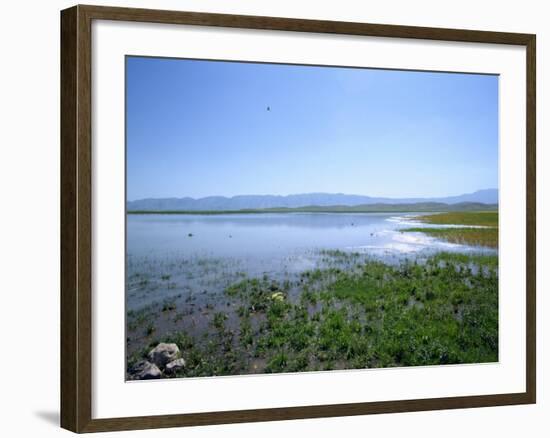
point(269, 108)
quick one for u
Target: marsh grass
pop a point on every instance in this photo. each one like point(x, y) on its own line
point(477, 228)
point(487, 237)
point(441, 311)
point(478, 218)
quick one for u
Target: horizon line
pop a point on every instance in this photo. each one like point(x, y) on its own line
point(311, 193)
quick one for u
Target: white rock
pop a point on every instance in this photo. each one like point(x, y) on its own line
point(174, 366)
point(145, 370)
point(164, 353)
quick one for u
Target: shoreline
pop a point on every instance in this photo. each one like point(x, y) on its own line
point(473, 228)
point(351, 314)
point(336, 209)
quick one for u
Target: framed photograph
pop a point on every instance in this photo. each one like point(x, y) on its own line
point(271, 218)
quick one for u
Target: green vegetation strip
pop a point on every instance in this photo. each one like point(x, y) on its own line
point(481, 218)
point(443, 311)
point(486, 236)
point(370, 208)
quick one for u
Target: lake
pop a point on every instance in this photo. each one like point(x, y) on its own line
point(171, 252)
point(230, 288)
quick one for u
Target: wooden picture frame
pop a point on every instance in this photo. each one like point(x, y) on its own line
point(76, 218)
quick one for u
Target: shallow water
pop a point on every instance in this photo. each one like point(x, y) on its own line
point(178, 266)
point(271, 236)
point(171, 254)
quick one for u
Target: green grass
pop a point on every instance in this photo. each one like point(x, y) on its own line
point(460, 260)
point(443, 311)
point(480, 218)
point(367, 208)
point(487, 237)
point(468, 234)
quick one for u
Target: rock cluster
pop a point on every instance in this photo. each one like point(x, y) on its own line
point(163, 360)
point(174, 366)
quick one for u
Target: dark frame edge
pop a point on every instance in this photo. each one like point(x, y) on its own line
point(302, 25)
point(531, 218)
point(75, 105)
point(69, 345)
point(304, 412)
point(76, 226)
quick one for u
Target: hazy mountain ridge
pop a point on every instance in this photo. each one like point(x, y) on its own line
point(307, 200)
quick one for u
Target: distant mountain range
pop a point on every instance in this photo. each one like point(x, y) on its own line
point(259, 202)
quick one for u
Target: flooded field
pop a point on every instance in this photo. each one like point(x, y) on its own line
point(254, 293)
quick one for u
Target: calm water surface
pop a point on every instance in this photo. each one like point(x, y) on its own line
point(168, 253)
point(275, 235)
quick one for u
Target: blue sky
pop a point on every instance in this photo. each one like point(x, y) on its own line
point(202, 128)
